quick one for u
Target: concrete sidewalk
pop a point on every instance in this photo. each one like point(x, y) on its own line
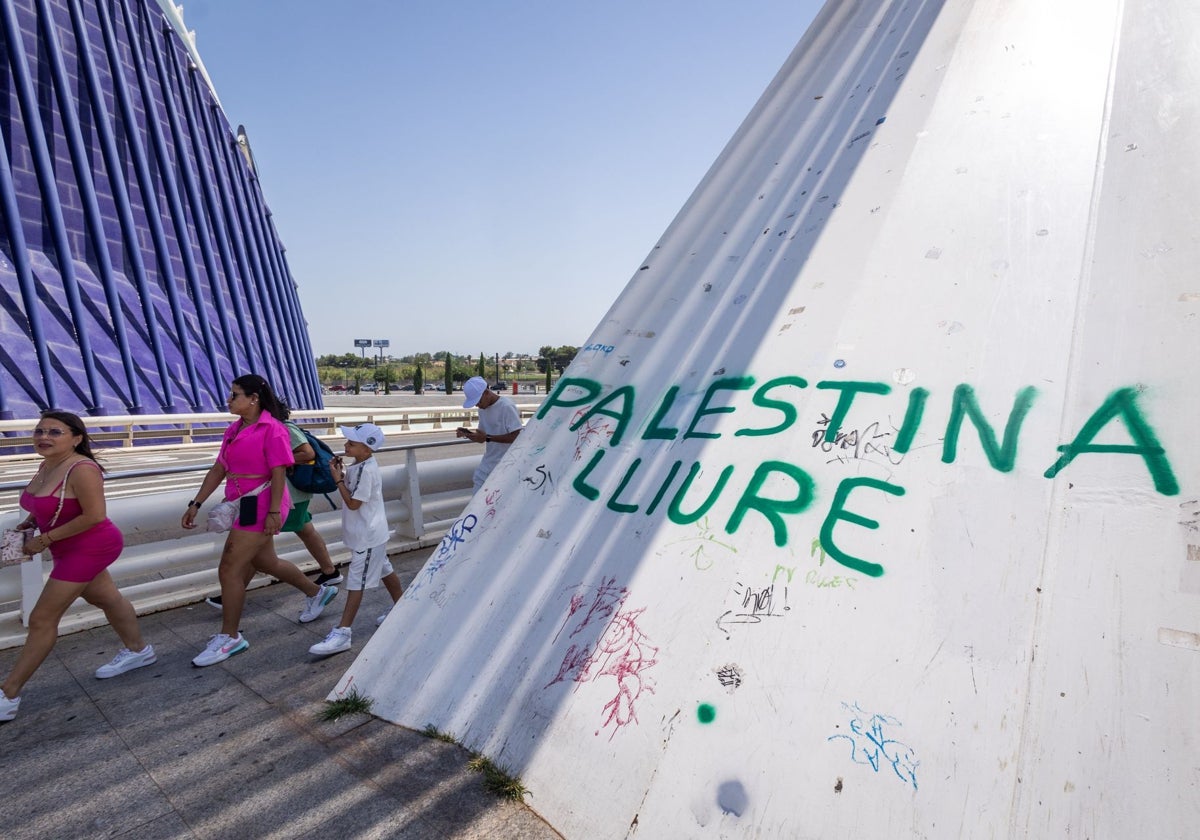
point(234, 750)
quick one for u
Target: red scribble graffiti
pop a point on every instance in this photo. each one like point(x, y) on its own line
point(622, 653)
point(609, 598)
point(589, 434)
point(491, 498)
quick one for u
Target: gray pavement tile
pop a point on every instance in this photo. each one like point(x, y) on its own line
point(76, 777)
point(250, 775)
point(430, 774)
point(375, 817)
point(233, 750)
point(523, 823)
point(166, 827)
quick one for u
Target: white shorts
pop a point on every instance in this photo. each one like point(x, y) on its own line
point(368, 567)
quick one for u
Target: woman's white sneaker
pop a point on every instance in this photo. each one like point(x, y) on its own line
point(220, 647)
point(337, 641)
point(8, 708)
point(127, 660)
point(315, 605)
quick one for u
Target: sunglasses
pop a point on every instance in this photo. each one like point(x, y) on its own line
point(54, 433)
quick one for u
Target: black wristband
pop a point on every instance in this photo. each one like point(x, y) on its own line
point(193, 504)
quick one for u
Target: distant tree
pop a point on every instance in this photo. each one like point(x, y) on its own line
point(479, 371)
point(385, 375)
point(556, 357)
point(548, 372)
point(449, 372)
point(418, 379)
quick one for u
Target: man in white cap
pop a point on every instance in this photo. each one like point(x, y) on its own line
point(499, 425)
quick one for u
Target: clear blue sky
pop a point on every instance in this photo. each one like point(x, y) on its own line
point(482, 176)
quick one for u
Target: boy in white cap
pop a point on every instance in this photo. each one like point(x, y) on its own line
point(364, 530)
point(499, 425)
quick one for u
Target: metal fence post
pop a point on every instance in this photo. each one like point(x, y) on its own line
point(414, 494)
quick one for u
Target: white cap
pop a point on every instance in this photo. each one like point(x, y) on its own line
point(364, 433)
point(473, 388)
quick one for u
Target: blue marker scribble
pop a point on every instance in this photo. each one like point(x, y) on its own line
point(869, 744)
point(445, 551)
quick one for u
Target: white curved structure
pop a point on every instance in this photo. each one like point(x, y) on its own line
point(870, 508)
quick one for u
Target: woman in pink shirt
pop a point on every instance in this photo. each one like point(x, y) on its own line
point(255, 454)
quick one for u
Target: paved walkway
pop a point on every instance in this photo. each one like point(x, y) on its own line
point(234, 750)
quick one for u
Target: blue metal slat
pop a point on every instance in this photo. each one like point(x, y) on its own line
point(146, 185)
point(20, 258)
point(48, 184)
point(116, 179)
point(201, 229)
point(178, 218)
point(248, 257)
point(200, 152)
point(87, 193)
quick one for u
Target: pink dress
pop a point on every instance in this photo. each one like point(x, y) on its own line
point(254, 451)
point(80, 558)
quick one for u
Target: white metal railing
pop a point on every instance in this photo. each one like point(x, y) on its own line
point(188, 429)
point(167, 567)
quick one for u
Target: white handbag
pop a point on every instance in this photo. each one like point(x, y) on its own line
point(221, 517)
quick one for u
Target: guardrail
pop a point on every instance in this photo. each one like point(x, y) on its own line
point(172, 567)
point(205, 429)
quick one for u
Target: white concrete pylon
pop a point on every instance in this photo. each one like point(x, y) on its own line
point(870, 508)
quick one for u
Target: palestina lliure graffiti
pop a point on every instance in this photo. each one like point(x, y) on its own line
point(621, 414)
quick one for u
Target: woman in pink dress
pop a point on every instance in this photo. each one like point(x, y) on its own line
point(65, 500)
point(255, 454)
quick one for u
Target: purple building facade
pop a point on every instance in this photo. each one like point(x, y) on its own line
point(139, 267)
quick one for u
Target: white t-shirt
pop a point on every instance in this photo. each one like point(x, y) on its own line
point(499, 418)
point(366, 527)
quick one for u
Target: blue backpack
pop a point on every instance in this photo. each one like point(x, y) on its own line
point(314, 477)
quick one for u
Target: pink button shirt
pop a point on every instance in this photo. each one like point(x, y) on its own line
point(255, 450)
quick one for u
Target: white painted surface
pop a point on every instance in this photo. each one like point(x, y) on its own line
point(1024, 217)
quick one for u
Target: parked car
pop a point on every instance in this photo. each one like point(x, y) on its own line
point(405, 388)
point(337, 388)
point(369, 387)
point(500, 386)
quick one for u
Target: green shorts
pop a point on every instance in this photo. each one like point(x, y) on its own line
point(298, 517)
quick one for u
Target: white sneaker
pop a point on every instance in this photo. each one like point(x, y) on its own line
point(220, 647)
point(127, 660)
point(316, 604)
point(8, 708)
point(337, 641)
point(382, 618)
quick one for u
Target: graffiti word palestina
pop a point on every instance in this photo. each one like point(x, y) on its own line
point(587, 398)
